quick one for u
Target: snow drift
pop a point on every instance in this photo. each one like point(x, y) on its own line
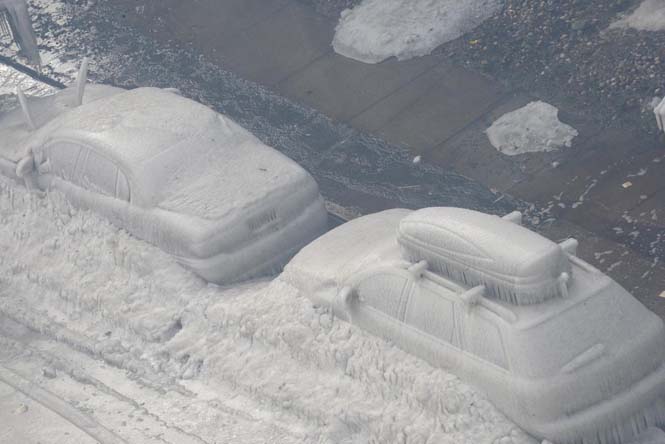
point(378, 29)
point(75, 277)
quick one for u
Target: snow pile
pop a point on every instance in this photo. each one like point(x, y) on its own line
point(649, 16)
point(378, 29)
point(76, 278)
point(533, 128)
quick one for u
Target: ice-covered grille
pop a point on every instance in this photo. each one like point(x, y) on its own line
point(258, 222)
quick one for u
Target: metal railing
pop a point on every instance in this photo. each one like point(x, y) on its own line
point(5, 29)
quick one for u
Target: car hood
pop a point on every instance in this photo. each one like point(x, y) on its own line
point(340, 253)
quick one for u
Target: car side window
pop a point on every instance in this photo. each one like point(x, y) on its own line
point(99, 174)
point(385, 292)
point(62, 158)
point(122, 187)
point(431, 313)
point(483, 338)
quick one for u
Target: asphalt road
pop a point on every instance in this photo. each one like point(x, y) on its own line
point(357, 173)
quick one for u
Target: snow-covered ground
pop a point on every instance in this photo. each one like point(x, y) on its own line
point(259, 350)
point(649, 16)
point(379, 29)
point(10, 79)
point(532, 128)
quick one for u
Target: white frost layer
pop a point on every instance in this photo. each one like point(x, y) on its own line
point(532, 128)
point(649, 16)
point(378, 29)
point(10, 79)
point(74, 276)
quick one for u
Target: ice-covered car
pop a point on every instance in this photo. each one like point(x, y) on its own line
point(558, 346)
point(170, 171)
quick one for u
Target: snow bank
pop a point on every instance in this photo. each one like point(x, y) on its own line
point(75, 277)
point(649, 16)
point(533, 128)
point(378, 29)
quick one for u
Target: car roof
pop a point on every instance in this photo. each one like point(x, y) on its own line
point(132, 126)
point(177, 153)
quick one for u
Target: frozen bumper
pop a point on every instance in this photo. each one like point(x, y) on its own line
point(614, 420)
point(263, 256)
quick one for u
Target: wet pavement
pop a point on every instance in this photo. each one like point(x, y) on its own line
point(430, 107)
point(269, 65)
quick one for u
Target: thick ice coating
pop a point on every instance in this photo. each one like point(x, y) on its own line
point(512, 262)
point(170, 171)
point(571, 369)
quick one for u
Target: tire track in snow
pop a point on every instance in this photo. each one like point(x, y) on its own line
point(57, 405)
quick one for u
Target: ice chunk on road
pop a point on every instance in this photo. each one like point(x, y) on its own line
point(649, 16)
point(379, 29)
point(659, 112)
point(532, 128)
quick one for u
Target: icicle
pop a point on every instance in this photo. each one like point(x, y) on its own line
point(26, 110)
point(81, 81)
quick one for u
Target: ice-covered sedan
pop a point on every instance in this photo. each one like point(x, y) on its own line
point(558, 346)
point(170, 171)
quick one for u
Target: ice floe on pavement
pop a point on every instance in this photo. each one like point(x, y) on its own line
point(649, 16)
point(379, 29)
point(533, 128)
point(75, 277)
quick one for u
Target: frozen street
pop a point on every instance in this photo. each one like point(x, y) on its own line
point(152, 353)
point(105, 338)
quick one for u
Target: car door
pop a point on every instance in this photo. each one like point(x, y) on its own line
point(431, 328)
point(481, 335)
point(83, 167)
point(380, 301)
point(58, 160)
point(431, 310)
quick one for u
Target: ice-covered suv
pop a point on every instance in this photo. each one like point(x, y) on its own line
point(170, 171)
point(558, 346)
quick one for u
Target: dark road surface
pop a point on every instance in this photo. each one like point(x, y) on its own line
point(357, 173)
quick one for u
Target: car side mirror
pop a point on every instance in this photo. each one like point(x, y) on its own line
point(345, 296)
point(570, 246)
point(25, 166)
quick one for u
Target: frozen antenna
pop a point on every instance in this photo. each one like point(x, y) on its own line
point(24, 107)
point(81, 80)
